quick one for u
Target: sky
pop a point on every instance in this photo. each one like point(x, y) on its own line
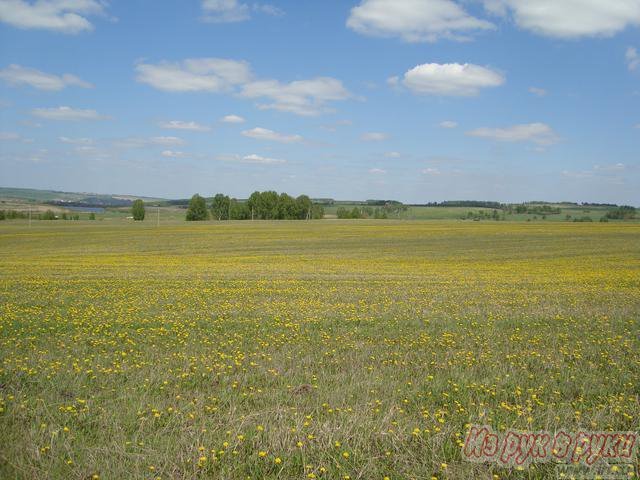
point(412, 100)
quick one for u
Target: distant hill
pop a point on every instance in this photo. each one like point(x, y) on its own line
point(54, 197)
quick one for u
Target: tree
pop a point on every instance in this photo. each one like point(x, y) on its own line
point(286, 208)
point(252, 203)
point(268, 205)
point(92, 216)
point(239, 210)
point(197, 210)
point(303, 204)
point(137, 210)
point(48, 215)
point(220, 207)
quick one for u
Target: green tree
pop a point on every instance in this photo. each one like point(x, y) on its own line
point(268, 205)
point(92, 216)
point(317, 212)
point(286, 208)
point(220, 207)
point(48, 215)
point(252, 204)
point(137, 210)
point(197, 210)
point(303, 206)
point(239, 210)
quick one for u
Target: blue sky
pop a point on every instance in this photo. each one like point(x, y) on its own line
point(415, 100)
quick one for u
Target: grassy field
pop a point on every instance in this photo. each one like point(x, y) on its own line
point(294, 350)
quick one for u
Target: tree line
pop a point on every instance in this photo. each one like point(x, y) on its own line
point(267, 205)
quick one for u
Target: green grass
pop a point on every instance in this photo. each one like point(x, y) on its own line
point(129, 351)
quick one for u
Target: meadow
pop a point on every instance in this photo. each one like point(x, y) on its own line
point(295, 350)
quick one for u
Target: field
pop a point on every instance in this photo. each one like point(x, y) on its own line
point(295, 350)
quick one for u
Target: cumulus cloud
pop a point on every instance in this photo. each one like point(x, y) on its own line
point(253, 158)
point(633, 59)
point(67, 113)
point(76, 141)
point(430, 171)
point(181, 125)
point(540, 92)
point(172, 154)
point(451, 79)
point(230, 11)
point(569, 18)
point(616, 167)
point(377, 171)
point(138, 142)
point(65, 16)
point(414, 20)
point(392, 155)
point(194, 75)
point(17, 75)
point(538, 133)
point(9, 136)
point(448, 124)
point(302, 97)
point(259, 133)
point(232, 119)
point(374, 136)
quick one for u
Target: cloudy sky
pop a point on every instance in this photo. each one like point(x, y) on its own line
point(415, 100)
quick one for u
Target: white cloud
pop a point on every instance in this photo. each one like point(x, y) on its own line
point(166, 141)
point(569, 18)
point(430, 171)
point(377, 171)
point(538, 133)
point(14, 137)
point(448, 124)
point(633, 59)
point(253, 158)
point(374, 136)
point(414, 20)
point(67, 113)
point(452, 79)
point(76, 141)
point(302, 97)
point(65, 16)
point(616, 167)
point(138, 142)
point(180, 125)
point(229, 11)
point(194, 74)
point(17, 75)
point(9, 136)
point(259, 133)
point(173, 154)
point(225, 11)
point(232, 119)
point(637, 126)
point(540, 92)
point(392, 155)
